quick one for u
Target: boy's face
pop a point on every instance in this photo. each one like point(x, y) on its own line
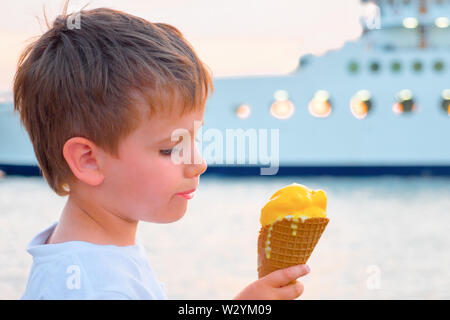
point(143, 184)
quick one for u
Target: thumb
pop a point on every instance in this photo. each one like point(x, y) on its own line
point(284, 276)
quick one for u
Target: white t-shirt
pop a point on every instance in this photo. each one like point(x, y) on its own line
point(83, 270)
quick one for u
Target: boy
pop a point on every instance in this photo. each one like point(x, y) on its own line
point(100, 100)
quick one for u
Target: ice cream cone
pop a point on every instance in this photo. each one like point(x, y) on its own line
point(287, 242)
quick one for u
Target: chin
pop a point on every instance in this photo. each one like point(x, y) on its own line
point(171, 219)
point(168, 217)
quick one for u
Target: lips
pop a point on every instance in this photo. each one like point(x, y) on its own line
point(187, 194)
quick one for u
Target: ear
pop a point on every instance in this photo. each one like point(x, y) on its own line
point(84, 159)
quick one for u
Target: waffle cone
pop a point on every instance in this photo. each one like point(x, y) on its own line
point(288, 248)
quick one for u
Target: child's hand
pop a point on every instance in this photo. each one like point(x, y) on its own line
point(276, 285)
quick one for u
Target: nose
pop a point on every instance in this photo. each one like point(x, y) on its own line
point(196, 169)
point(197, 166)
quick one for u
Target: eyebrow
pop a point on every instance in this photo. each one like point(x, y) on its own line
point(169, 139)
point(164, 141)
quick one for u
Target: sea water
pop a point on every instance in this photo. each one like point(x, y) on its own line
point(388, 237)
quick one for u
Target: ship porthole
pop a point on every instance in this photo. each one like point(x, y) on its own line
point(396, 66)
point(438, 66)
point(410, 23)
point(375, 67)
point(442, 22)
point(445, 104)
point(417, 66)
point(282, 108)
point(353, 67)
point(320, 105)
point(243, 111)
point(404, 102)
point(361, 104)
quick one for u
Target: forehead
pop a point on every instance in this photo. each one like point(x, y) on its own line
point(171, 114)
point(162, 125)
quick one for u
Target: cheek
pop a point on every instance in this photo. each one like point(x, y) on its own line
point(142, 186)
point(148, 184)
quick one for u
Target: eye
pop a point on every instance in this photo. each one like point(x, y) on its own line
point(166, 152)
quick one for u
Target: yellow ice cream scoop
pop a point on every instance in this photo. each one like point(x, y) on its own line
point(296, 201)
point(293, 221)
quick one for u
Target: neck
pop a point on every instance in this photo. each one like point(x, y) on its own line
point(84, 220)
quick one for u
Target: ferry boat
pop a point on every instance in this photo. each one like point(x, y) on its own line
point(378, 105)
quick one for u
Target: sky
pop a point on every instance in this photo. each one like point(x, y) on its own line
point(234, 38)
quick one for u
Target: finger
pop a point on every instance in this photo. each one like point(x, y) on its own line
point(290, 292)
point(282, 277)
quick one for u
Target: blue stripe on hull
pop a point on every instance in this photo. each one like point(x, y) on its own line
point(337, 171)
point(287, 170)
point(20, 170)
